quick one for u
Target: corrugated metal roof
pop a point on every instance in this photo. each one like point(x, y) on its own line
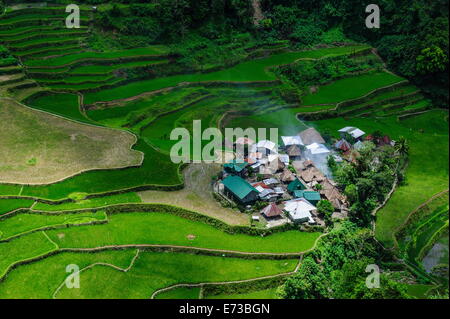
point(271, 210)
point(292, 140)
point(308, 195)
point(235, 165)
point(296, 184)
point(238, 186)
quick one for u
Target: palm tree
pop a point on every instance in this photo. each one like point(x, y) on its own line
point(402, 146)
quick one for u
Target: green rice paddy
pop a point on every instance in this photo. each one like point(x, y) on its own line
point(255, 70)
point(52, 272)
point(8, 205)
point(68, 59)
point(360, 85)
point(152, 228)
point(89, 203)
point(24, 223)
point(154, 271)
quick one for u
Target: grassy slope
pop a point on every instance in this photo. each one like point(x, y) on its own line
point(153, 228)
point(153, 271)
point(284, 119)
point(41, 148)
point(98, 69)
point(109, 180)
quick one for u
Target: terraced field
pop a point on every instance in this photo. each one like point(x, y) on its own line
point(101, 218)
point(417, 237)
point(24, 161)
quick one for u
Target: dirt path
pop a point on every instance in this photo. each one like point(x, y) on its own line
point(197, 195)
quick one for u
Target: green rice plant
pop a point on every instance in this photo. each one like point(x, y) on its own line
point(258, 294)
point(180, 293)
point(52, 272)
point(46, 42)
point(21, 224)
point(153, 271)
point(155, 50)
point(8, 205)
point(152, 228)
point(89, 203)
point(28, 17)
point(64, 104)
point(23, 248)
point(44, 51)
point(350, 88)
point(250, 71)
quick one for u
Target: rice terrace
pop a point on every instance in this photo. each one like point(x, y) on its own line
point(353, 185)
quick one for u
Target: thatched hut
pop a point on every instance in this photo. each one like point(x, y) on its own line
point(311, 136)
point(287, 176)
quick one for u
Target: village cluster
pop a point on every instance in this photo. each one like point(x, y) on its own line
point(290, 180)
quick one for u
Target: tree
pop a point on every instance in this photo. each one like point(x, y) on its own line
point(350, 283)
point(326, 209)
point(351, 192)
point(308, 283)
point(389, 289)
point(402, 146)
point(331, 163)
point(431, 60)
point(337, 268)
point(306, 32)
point(344, 280)
point(377, 136)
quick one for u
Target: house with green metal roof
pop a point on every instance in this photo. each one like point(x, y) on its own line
point(240, 190)
point(296, 184)
point(235, 167)
point(310, 196)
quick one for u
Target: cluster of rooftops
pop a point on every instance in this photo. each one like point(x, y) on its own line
point(286, 178)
